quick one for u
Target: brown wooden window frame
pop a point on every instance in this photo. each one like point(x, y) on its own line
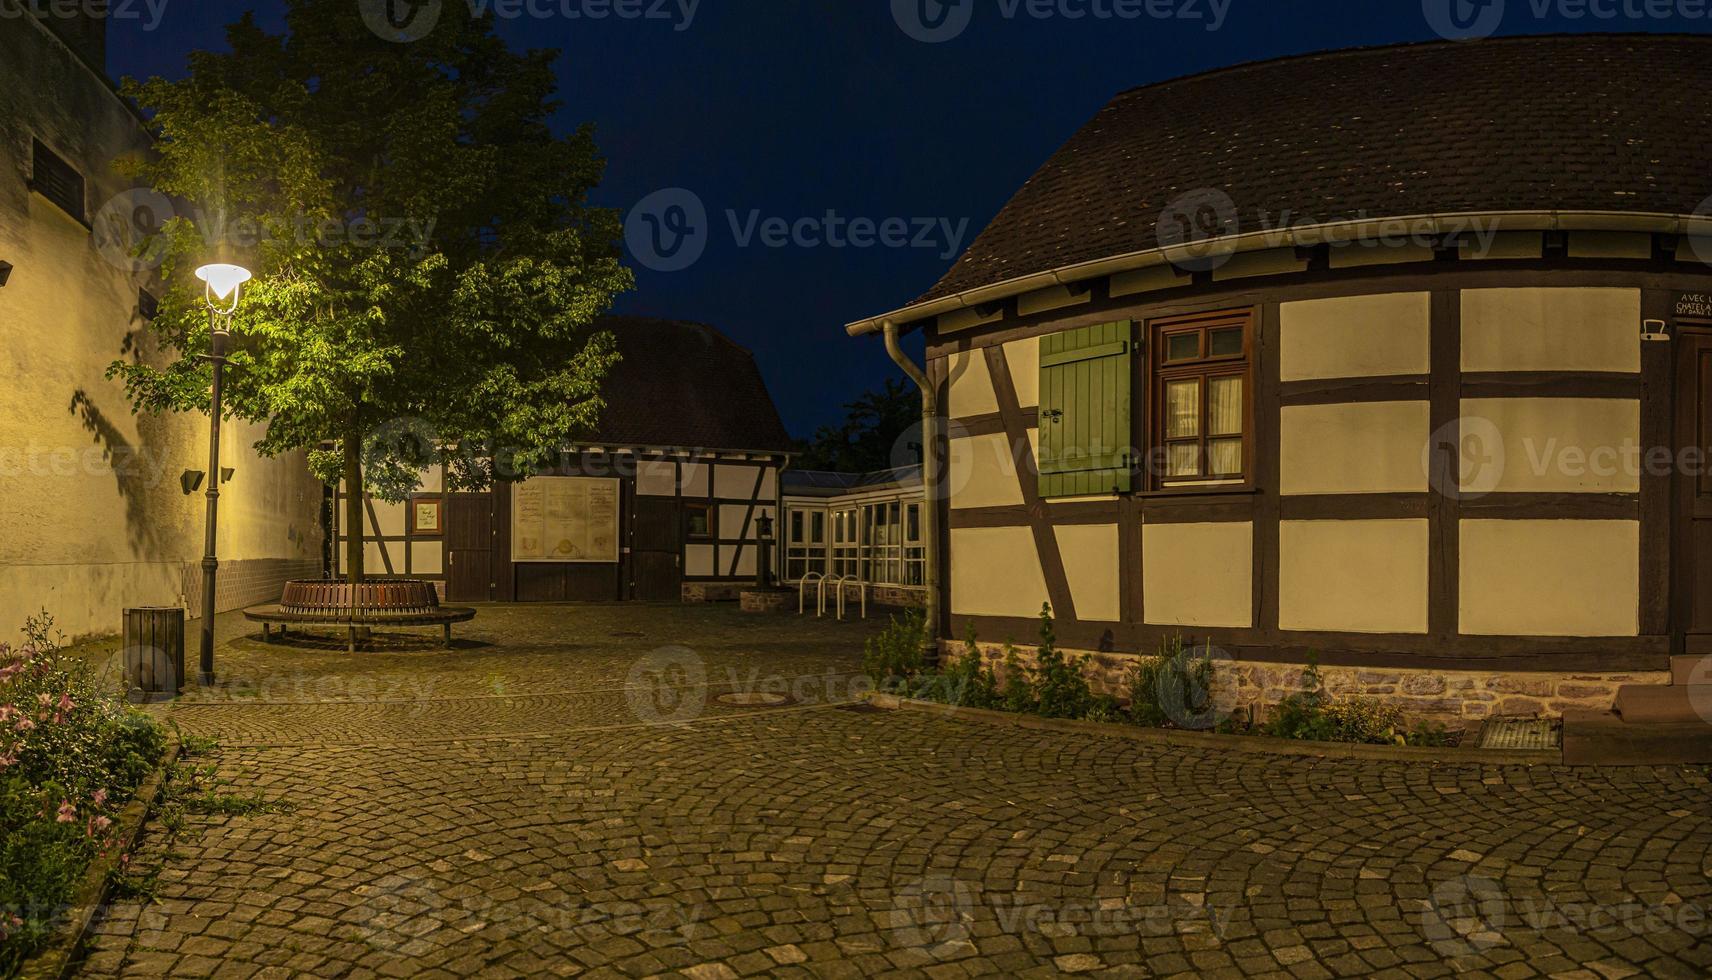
point(1204, 367)
point(707, 512)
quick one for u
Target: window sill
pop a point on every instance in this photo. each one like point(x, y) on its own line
point(1235, 489)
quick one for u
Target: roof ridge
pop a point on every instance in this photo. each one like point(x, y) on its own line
point(1367, 49)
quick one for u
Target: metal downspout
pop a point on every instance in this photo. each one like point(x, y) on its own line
point(930, 478)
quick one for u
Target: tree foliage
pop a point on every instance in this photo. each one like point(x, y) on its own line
point(880, 431)
point(429, 269)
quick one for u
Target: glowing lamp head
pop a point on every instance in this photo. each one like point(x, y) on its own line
point(223, 280)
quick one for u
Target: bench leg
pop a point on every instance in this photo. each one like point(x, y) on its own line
point(448, 635)
point(353, 641)
point(267, 633)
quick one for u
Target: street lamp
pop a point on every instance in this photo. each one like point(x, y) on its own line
point(222, 285)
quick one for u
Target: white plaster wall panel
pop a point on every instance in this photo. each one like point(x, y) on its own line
point(1552, 445)
point(388, 519)
point(969, 385)
point(734, 482)
point(697, 480)
point(1353, 576)
point(698, 560)
point(745, 555)
point(1549, 578)
point(426, 558)
point(1551, 329)
point(1367, 447)
point(982, 473)
point(731, 521)
point(1023, 356)
point(1198, 574)
point(1090, 556)
point(1355, 336)
point(656, 478)
point(770, 485)
point(995, 571)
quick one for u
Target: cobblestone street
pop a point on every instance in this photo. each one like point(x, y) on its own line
point(565, 793)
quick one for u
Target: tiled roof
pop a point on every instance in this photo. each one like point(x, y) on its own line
point(686, 385)
point(1588, 122)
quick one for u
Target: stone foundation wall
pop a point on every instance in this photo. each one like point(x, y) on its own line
point(1451, 697)
point(713, 591)
point(768, 602)
point(898, 596)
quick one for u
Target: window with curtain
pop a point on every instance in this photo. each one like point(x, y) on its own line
point(1203, 386)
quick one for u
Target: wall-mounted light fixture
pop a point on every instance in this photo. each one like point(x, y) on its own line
point(226, 474)
point(5, 272)
point(191, 481)
point(1655, 330)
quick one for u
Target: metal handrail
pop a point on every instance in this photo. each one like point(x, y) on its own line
point(802, 591)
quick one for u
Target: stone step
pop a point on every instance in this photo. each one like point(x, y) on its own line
point(1601, 738)
point(1695, 670)
point(1652, 703)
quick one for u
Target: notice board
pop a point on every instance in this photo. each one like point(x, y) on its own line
point(564, 519)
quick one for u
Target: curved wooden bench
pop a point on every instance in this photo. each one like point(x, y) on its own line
point(327, 603)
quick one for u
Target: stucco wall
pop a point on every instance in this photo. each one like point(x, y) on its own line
point(94, 517)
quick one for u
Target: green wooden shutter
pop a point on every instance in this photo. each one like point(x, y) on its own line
point(1085, 410)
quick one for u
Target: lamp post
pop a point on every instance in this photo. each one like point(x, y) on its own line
point(221, 287)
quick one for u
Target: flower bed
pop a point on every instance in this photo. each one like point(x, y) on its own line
point(1172, 689)
point(71, 756)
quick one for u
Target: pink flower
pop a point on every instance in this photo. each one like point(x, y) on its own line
point(44, 698)
point(24, 725)
point(100, 797)
point(65, 702)
point(67, 813)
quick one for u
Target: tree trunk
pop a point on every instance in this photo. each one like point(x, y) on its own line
point(354, 517)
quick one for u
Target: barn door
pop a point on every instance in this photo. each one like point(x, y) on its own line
point(469, 547)
point(1693, 605)
point(656, 550)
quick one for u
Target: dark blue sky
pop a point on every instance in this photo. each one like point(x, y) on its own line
point(787, 109)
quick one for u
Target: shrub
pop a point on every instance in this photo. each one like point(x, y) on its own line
point(1174, 687)
point(893, 657)
point(1018, 694)
point(1060, 682)
point(1314, 715)
point(70, 756)
point(968, 682)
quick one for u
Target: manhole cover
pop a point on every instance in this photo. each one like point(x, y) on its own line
point(1521, 733)
point(747, 699)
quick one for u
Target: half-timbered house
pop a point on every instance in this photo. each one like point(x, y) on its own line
point(1399, 359)
point(663, 501)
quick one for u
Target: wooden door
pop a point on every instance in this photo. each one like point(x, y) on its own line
point(469, 547)
point(656, 555)
point(1693, 605)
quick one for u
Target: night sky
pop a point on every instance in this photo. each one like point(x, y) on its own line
point(786, 109)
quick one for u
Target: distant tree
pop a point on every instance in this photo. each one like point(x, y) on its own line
point(875, 435)
point(428, 269)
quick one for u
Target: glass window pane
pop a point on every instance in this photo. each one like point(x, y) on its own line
point(1225, 457)
point(817, 528)
point(914, 529)
point(796, 526)
point(1183, 346)
point(1226, 343)
point(1183, 459)
point(1224, 410)
point(1182, 409)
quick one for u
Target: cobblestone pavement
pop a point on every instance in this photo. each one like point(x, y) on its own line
point(574, 800)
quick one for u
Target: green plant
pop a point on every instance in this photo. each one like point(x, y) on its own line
point(1060, 682)
point(1106, 709)
point(1173, 687)
point(967, 681)
point(1314, 715)
point(1018, 693)
point(892, 658)
point(70, 756)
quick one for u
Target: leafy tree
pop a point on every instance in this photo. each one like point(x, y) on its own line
point(429, 271)
point(880, 431)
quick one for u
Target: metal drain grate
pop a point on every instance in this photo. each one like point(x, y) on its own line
point(756, 699)
point(1542, 734)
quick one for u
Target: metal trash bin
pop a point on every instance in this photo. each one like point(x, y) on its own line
point(154, 653)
